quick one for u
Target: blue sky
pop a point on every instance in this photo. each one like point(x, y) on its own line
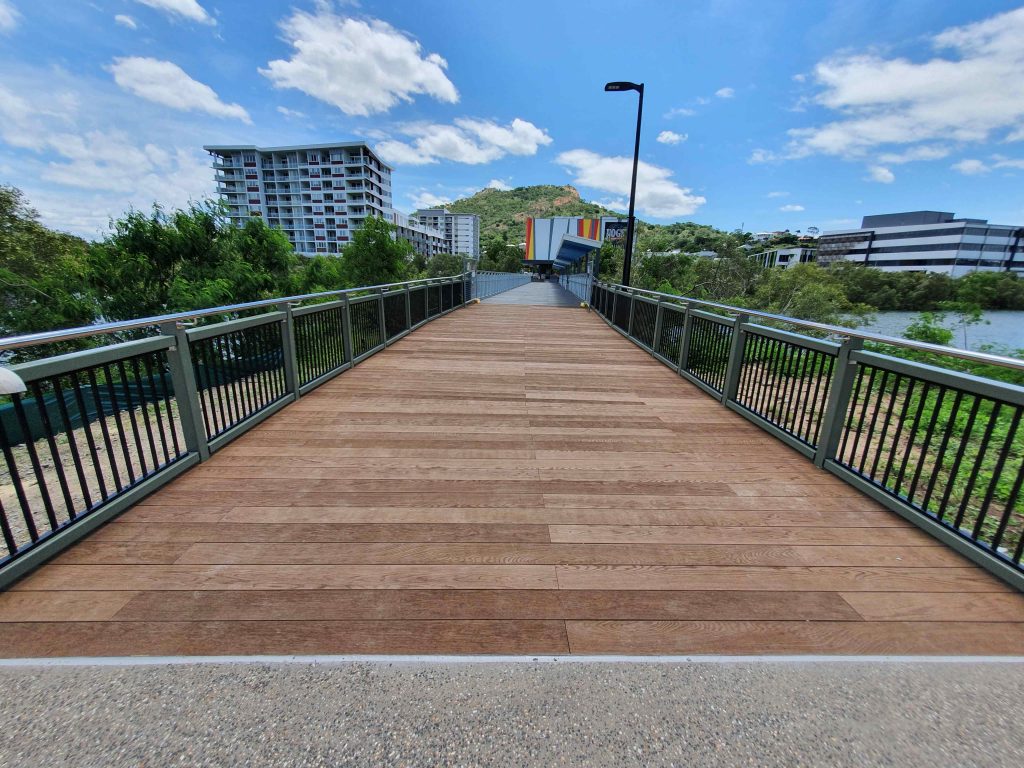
point(778, 115)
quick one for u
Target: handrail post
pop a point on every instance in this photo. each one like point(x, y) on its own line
point(838, 401)
point(408, 308)
point(289, 350)
point(684, 342)
point(380, 317)
point(632, 310)
point(615, 302)
point(658, 319)
point(346, 330)
point(735, 364)
point(186, 393)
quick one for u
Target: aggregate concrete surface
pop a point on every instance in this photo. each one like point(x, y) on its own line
point(514, 714)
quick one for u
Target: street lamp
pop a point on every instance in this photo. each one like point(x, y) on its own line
point(628, 258)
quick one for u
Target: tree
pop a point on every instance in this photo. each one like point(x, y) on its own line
point(161, 262)
point(807, 292)
point(375, 256)
point(444, 265)
point(43, 282)
point(499, 256)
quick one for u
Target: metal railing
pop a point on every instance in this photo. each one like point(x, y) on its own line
point(580, 285)
point(490, 283)
point(95, 431)
point(943, 449)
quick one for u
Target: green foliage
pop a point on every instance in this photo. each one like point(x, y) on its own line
point(499, 256)
point(808, 292)
point(444, 265)
point(375, 256)
point(928, 327)
point(161, 262)
point(42, 277)
point(317, 275)
point(610, 261)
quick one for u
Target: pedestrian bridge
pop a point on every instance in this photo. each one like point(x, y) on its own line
point(506, 478)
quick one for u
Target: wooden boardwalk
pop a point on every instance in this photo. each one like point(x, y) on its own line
point(509, 480)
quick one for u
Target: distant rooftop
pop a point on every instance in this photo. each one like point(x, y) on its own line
point(909, 218)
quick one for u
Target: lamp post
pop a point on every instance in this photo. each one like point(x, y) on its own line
point(627, 260)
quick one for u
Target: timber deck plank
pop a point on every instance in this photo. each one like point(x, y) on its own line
point(508, 479)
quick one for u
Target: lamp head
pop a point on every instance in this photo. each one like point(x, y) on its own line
point(623, 86)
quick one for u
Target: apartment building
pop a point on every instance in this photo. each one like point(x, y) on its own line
point(932, 241)
point(317, 194)
point(461, 230)
point(426, 240)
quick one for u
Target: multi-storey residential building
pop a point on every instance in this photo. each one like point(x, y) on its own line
point(930, 241)
point(462, 230)
point(426, 240)
point(318, 194)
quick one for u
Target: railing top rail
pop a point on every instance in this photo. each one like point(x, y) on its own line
point(48, 337)
point(838, 330)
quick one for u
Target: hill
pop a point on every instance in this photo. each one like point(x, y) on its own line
point(504, 212)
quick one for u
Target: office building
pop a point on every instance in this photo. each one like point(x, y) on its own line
point(461, 230)
point(317, 194)
point(786, 257)
point(930, 241)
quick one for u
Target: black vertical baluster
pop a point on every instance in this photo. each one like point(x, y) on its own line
point(262, 383)
point(961, 449)
point(877, 407)
point(130, 408)
point(850, 416)
point(37, 468)
point(147, 364)
point(821, 396)
point(94, 455)
point(51, 442)
point(69, 430)
point(147, 422)
point(240, 349)
point(772, 395)
point(997, 471)
point(19, 488)
point(8, 534)
point(914, 426)
point(940, 455)
point(894, 448)
point(929, 431)
point(979, 459)
point(115, 406)
point(885, 425)
point(761, 381)
point(225, 361)
point(209, 403)
point(166, 389)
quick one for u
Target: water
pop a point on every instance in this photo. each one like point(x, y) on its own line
point(1004, 328)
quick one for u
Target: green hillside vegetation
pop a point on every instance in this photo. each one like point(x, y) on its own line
point(503, 214)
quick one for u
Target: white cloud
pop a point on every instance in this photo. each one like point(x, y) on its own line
point(425, 199)
point(969, 92)
point(725, 93)
point(362, 67)
point(8, 16)
point(166, 83)
point(680, 112)
point(791, 208)
point(778, 194)
point(970, 167)
point(881, 174)
point(923, 152)
point(79, 169)
point(291, 112)
point(759, 156)
point(800, 77)
point(125, 21)
point(656, 194)
point(671, 137)
point(469, 140)
point(189, 9)
point(499, 184)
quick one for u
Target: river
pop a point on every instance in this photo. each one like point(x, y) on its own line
point(1004, 329)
